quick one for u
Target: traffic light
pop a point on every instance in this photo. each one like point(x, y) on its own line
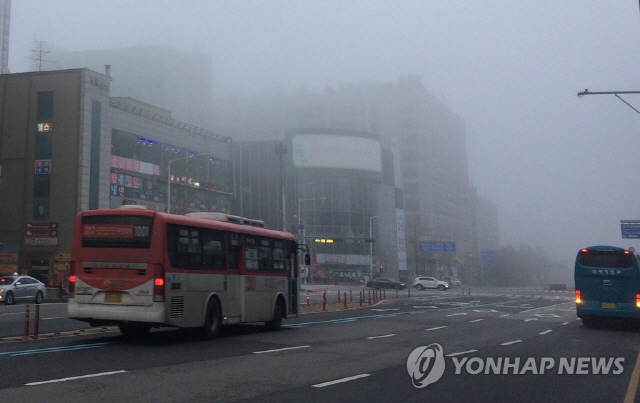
point(381, 268)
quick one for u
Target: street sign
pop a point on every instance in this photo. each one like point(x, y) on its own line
point(438, 246)
point(630, 229)
point(34, 225)
point(489, 255)
point(297, 226)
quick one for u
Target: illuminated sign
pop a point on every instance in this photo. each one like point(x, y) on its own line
point(44, 127)
point(43, 167)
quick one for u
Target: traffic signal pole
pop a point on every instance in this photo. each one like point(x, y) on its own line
point(616, 93)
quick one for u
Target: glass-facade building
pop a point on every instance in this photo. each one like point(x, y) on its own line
point(67, 146)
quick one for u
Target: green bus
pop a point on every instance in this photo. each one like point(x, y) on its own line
point(607, 282)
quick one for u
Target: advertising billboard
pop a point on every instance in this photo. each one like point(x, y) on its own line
point(353, 152)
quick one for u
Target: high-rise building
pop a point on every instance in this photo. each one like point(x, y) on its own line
point(428, 142)
point(176, 80)
point(5, 22)
point(67, 146)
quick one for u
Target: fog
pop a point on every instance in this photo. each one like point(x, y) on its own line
point(562, 170)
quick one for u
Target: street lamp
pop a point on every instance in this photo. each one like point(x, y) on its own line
point(284, 204)
point(299, 203)
point(300, 219)
point(371, 237)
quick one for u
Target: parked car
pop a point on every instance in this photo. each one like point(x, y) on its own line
point(20, 288)
point(429, 282)
point(453, 282)
point(381, 282)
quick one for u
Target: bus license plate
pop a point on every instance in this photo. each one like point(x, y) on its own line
point(609, 305)
point(113, 297)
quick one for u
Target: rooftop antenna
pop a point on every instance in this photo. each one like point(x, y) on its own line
point(39, 52)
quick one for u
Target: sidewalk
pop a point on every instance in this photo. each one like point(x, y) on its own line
point(311, 287)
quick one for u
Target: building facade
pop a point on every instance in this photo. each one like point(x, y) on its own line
point(327, 187)
point(428, 143)
point(173, 79)
point(67, 146)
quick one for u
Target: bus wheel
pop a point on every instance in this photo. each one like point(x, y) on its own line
point(134, 330)
point(278, 314)
point(213, 321)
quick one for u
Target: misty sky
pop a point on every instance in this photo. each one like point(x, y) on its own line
point(563, 171)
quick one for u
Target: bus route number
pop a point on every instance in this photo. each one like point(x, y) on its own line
point(141, 231)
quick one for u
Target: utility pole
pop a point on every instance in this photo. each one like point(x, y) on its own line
point(281, 150)
point(616, 93)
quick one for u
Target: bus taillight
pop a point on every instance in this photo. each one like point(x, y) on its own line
point(579, 300)
point(637, 300)
point(72, 281)
point(158, 284)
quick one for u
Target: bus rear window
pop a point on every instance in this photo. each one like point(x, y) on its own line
point(606, 259)
point(116, 231)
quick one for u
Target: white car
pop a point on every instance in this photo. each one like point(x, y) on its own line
point(17, 288)
point(423, 282)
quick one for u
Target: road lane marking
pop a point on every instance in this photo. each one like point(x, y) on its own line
point(545, 307)
point(435, 328)
point(546, 331)
point(279, 349)
point(630, 396)
point(53, 349)
point(511, 342)
point(565, 323)
point(460, 353)
point(457, 314)
point(347, 379)
point(380, 337)
point(477, 320)
point(75, 377)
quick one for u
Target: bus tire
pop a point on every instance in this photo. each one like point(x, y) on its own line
point(278, 314)
point(213, 320)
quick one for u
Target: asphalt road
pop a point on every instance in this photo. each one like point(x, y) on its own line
point(539, 352)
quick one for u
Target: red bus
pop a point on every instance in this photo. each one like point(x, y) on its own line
point(139, 269)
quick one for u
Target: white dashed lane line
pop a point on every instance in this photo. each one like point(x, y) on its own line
point(511, 342)
point(347, 379)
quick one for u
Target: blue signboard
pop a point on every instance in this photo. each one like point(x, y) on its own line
point(489, 255)
point(438, 246)
point(630, 229)
point(297, 226)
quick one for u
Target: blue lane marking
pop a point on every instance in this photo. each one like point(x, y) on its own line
point(53, 349)
point(388, 315)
